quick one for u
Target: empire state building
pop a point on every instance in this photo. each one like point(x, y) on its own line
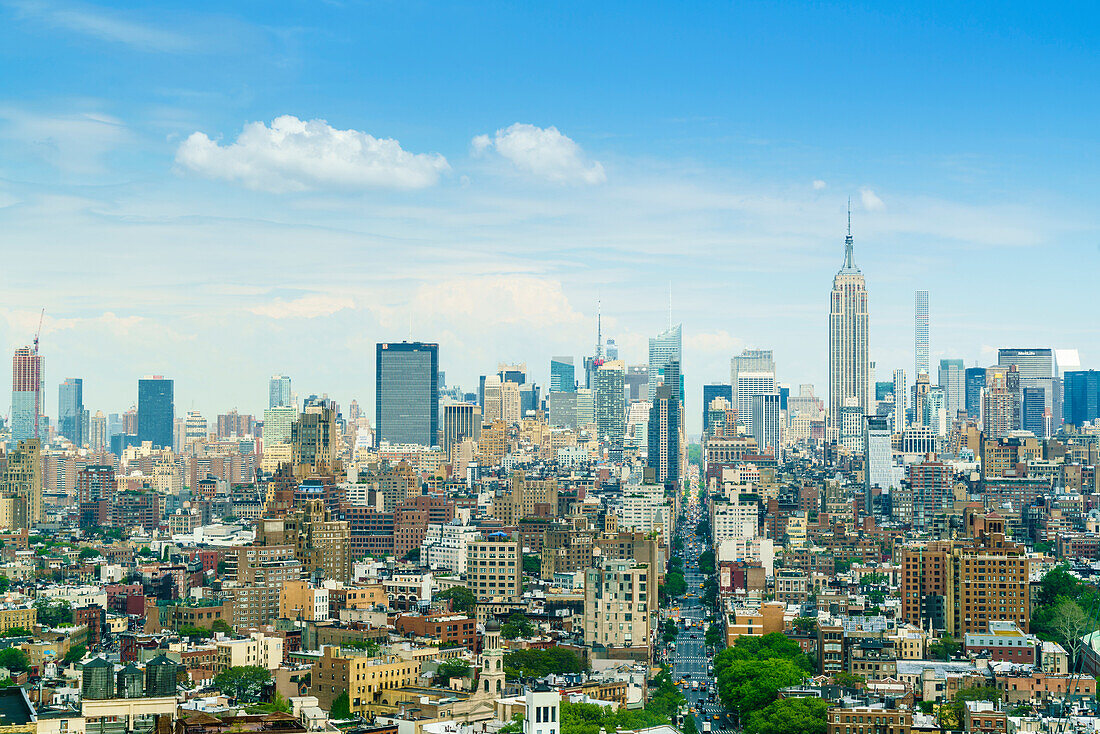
point(849, 367)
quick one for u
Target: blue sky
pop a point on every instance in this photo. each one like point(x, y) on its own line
point(217, 192)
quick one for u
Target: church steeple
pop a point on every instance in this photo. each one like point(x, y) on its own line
point(848, 247)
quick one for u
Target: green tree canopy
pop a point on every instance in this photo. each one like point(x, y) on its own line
point(706, 562)
point(75, 653)
point(945, 648)
point(531, 663)
point(14, 660)
point(462, 599)
point(86, 553)
point(789, 716)
point(53, 614)
point(516, 627)
point(341, 707)
point(448, 669)
point(714, 635)
point(674, 585)
point(749, 685)
point(243, 683)
point(532, 565)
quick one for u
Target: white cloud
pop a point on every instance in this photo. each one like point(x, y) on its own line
point(818, 184)
point(544, 152)
point(299, 155)
point(871, 201)
point(307, 307)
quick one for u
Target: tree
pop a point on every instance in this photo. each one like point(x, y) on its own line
point(713, 636)
point(531, 663)
point(706, 562)
point(532, 565)
point(146, 552)
point(805, 624)
point(448, 669)
point(1069, 623)
point(5, 584)
point(669, 631)
point(220, 625)
point(749, 685)
point(86, 553)
point(16, 632)
point(703, 528)
point(75, 653)
point(462, 599)
point(690, 726)
point(413, 555)
point(341, 707)
point(848, 680)
point(14, 660)
point(243, 683)
point(53, 614)
point(674, 585)
point(1057, 583)
point(516, 627)
point(945, 649)
point(789, 716)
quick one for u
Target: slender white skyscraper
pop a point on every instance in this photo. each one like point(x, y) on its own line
point(849, 326)
point(920, 332)
point(901, 394)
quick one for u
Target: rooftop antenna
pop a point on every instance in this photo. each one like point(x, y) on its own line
point(599, 328)
point(38, 375)
point(848, 239)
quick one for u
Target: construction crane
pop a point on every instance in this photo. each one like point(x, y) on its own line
point(38, 376)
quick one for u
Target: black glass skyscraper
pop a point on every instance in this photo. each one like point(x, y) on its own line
point(1082, 401)
point(70, 411)
point(974, 380)
point(407, 393)
point(156, 411)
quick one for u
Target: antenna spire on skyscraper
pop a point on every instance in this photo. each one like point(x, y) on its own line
point(599, 328)
point(848, 247)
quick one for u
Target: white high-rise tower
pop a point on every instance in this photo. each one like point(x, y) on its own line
point(920, 332)
point(849, 326)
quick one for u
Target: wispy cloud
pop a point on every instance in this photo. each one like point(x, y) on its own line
point(871, 200)
point(299, 155)
point(310, 306)
point(73, 141)
point(544, 152)
point(106, 25)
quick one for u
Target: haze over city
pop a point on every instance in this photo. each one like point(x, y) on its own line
point(218, 193)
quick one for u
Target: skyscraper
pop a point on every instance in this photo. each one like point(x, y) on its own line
point(920, 332)
point(72, 420)
point(953, 382)
point(901, 395)
point(156, 413)
point(279, 392)
point(562, 377)
point(611, 403)
point(460, 421)
point(1036, 369)
point(1001, 401)
point(663, 454)
point(27, 385)
point(766, 426)
point(663, 348)
point(974, 379)
point(407, 393)
point(849, 325)
point(1082, 402)
point(710, 392)
point(751, 373)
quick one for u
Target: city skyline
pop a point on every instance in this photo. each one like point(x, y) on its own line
point(120, 131)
